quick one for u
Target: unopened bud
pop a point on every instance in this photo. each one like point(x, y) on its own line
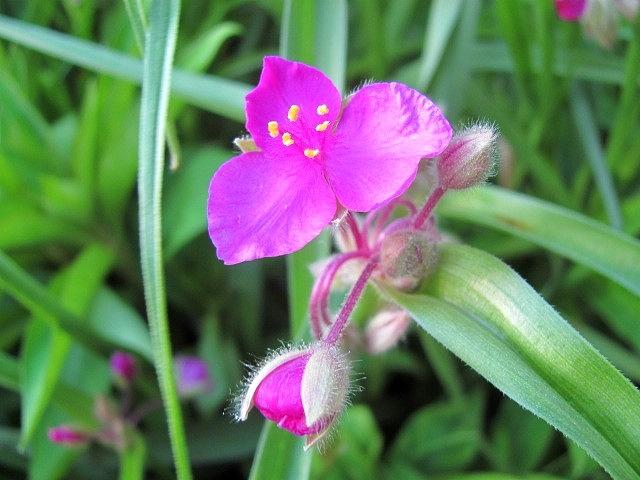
point(628, 8)
point(570, 10)
point(192, 376)
point(385, 330)
point(123, 366)
point(246, 144)
point(469, 159)
point(302, 391)
point(406, 257)
point(68, 436)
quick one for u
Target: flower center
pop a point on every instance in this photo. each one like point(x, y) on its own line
point(298, 131)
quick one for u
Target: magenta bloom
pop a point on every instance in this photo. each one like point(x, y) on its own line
point(192, 376)
point(570, 10)
point(68, 436)
point(123, 365)
point(301, 391)
point(315, 152)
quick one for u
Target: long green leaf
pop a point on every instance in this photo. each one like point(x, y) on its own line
point(158, 57)
point(611, 253)
point(494, 321)
point(219, 95)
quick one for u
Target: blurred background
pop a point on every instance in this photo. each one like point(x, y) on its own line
point(563, 95)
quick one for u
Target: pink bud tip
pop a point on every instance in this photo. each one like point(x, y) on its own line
point(570, 10)
point(469, 159)
point(192, 375)
point(123, 365)
point(385, 330)
point(65, 435)
point(302, 391)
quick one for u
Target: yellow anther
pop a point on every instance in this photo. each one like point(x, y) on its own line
point(311, 152)
point(287, 139)
point(292, 115)
point(322, 109)
point(273, 129)
point(321, 127)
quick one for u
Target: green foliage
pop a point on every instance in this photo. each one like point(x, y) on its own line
point(80, 277)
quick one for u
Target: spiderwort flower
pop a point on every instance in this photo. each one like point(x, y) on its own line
point(192, 376)
point(314, 153)
point(123, 366)
point(302, 391)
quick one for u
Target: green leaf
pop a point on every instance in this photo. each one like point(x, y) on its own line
point(219, 95)
point(280, 456)
point(132, 460)
point(569, 234)
point(494, 321)
point(45, 347)
point(158, 57)
point(441, 437)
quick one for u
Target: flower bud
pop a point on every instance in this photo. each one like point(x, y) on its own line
point(385, 330)
point(570, 10)
point(192, 376)
point(406, 257)
point(469, 158)
point(123, 365)
point(67, 436)
point(302, 391)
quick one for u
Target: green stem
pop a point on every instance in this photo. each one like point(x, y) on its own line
point(158, 58)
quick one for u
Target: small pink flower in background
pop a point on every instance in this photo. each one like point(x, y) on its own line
point(315, 153)
point(192, 376)
point(570, 10)
point(123, 365)
point(67, 436)
point(302, 391)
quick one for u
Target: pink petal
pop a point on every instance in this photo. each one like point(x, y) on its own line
point(570, 10)
point(385, 130)
point(284, 84)
point(278, 396)
point(263, 207)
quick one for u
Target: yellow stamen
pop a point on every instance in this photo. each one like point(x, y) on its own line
point(287, 139)
point(311, 152)
point(321, 127)
point(322, 109)
point(272, 126)
point(292, 115)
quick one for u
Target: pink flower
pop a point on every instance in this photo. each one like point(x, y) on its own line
point(68, 436)
point(570, 10)
point(302, 391)
point(315, 152)
point(123, 365)
point(192, 376)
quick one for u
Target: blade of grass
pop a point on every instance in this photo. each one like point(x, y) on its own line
point(218, 95)
point(567, 233)
point(588, 133)
point(158, 58)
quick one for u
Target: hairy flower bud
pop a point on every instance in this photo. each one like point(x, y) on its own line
point(385, 330)
point(469, 159)
point(67, 436)
point(406, 257)
point(123, 365)
point(192, 376)
point(302, 391)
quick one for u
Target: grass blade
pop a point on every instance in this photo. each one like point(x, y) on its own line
point(158, 58)
point(494, 321)
point(567, 233)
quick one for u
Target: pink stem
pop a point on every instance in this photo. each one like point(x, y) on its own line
point(433, 199)
point(322, 289)
point(355, 231)
point(379, 218)
point(349, 304)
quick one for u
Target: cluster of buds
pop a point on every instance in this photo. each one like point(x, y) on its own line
point(116, 421)
point(304, 390)
point(599, 18)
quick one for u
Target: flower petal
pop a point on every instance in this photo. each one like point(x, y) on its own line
point(385, 130)
point(264, 207)
point(570, 10)
point(284, 84)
